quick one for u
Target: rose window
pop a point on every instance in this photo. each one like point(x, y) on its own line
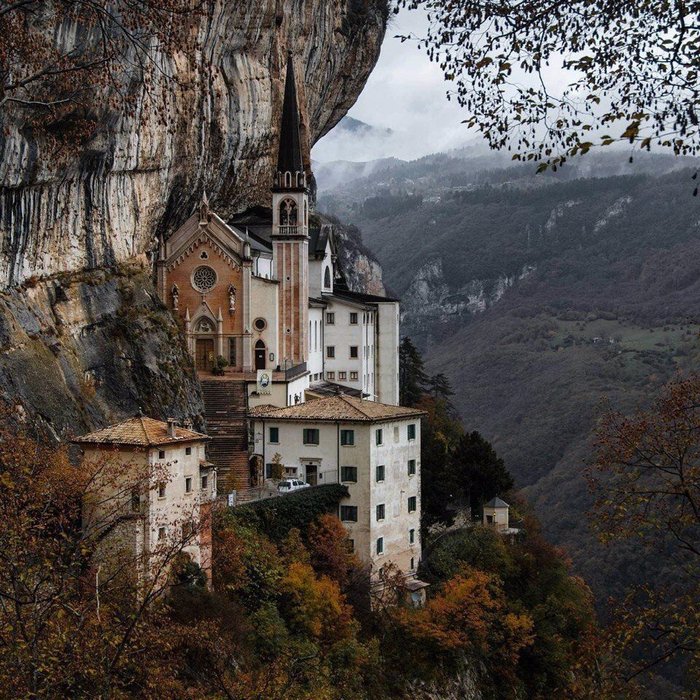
point(204, 279)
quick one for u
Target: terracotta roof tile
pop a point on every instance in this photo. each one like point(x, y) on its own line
point(140, 431)
point(340, 407)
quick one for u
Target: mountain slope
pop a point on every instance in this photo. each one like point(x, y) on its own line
point(539, 298)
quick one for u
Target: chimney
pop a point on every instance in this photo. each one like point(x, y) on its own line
point(171, 428)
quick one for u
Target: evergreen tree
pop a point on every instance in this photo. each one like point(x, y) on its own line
point(412, 377)
point(479, 472)
point(440, 389)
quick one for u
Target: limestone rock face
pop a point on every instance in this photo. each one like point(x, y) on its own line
point(207, 121)
point(82, 351)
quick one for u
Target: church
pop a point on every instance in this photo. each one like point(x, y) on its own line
point(266, 297)
point(310, 368)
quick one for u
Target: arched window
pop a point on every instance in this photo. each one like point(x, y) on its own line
point(288, 213)
point(327, 278)
point(260, 345)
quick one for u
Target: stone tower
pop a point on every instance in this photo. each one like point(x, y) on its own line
point(290, 232)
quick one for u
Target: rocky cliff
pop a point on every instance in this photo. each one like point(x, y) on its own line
point(202, 116)
point(83, 350)
point(83, 338)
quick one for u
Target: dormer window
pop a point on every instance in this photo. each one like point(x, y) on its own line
point(327, 278)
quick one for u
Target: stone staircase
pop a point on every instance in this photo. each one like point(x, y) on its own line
point(225, 406)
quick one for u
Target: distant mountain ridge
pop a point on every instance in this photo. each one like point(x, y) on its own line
point(539, 296)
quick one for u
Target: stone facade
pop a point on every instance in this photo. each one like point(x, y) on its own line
point(266, 292)
point(152, 495)
point(373, 449)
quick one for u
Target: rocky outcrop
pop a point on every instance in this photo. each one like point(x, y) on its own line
point(84, 340)
point(203, 117)
point(429, 300)
point(80, 351)
point(360, 267)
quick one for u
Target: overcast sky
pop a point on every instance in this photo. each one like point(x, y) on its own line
point(406, 93)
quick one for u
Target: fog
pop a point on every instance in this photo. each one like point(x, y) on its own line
point(405, 93)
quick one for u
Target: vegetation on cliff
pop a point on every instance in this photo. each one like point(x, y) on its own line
point(288, 616)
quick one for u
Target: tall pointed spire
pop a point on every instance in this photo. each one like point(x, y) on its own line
point(289, 159)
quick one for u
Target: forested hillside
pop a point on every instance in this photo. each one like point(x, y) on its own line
point(540, 297)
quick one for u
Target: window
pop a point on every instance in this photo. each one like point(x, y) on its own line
point(188, 451)
point(396, 433)
point(274, 434)
point(412, 431)
point(260, 324)
point(161, 454)
point(412, 564)
point(330, 376)
point(161, 490)
point(411, 467)
point(135, 501)
point(412, 504)
point(380, 472)
point(380, 545)
point(353, 352)
point(353, 376)
point(188, 531)
point(288, 213)
point(161, 533)
point(311, 436)
point(232, 352)
point(411, 537)
point(342, 376)
point(351, 546)
point(188, 484)
point(380, 511)
point(348, 474)
point(353, 318)
point(327, 278)
point(205, 482)
point(348, 513)
point(204, 279)
point(269, 470)
point(330, 351)
point(378, 436)
point(347, 437)
point(330, 318)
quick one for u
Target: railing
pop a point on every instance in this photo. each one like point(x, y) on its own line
point(288, 230)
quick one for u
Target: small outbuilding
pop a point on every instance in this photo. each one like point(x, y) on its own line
point(496, 514)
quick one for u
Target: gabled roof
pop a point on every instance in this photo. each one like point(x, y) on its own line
point(140, 432)
point(319, 237)
point(496, 503)
point(228, 240)
point(289, 156)
point(337, 408)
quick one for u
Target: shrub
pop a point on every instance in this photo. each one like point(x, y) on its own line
point(277, 516)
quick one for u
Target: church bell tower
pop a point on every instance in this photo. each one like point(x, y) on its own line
point(290, 232)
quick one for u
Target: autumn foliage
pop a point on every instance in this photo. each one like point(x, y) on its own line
point(646, 479)
point(285, 618)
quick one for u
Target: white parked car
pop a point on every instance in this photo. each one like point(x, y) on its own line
point(287, 485)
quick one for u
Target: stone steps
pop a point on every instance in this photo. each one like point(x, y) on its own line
point(225, 404)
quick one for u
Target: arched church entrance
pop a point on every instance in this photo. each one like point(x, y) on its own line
point(204, 344)
point(260, 355)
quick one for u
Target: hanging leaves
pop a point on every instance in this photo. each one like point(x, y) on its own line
point(631, 65)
